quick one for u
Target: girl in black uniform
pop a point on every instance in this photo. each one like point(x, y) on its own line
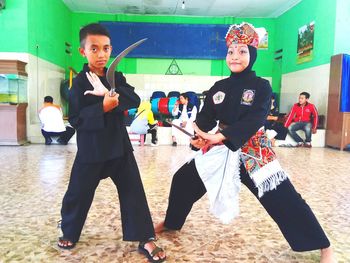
point(241, 103)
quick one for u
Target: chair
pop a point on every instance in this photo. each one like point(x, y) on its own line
point(193, 98)
point(135, 137)
point(158, 94)
point(173, 94)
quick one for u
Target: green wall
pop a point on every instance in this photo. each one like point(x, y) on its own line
point(38, 28)
point(187, 66)
point(13, 27)
point(49, 27)
point(323, 12)
point(42, 29)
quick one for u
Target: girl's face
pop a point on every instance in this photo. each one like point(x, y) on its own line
point(237, 58)
point(183, 100)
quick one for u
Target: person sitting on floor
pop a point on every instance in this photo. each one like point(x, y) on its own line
point(52, 125)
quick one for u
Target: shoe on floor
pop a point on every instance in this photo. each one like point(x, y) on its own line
point(307, 145)
point(154, 144)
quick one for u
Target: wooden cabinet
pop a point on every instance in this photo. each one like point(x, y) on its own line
point(13, 102)
point(338, 123)
point(13, 124)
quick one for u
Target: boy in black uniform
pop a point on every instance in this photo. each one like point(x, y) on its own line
point(241, 103)
point(104, 148)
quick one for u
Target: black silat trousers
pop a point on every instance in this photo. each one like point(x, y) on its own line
point(136, 218)
point(293, 216)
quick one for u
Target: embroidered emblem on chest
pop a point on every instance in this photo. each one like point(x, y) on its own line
point(218, 97)
point(248, 97)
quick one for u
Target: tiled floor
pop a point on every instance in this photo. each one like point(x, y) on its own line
point(33, 180)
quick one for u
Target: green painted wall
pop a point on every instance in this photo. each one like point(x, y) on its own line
point(187, 66)
point(13, 27)
point(49, 27)
point(42, 29)
point(323, 12)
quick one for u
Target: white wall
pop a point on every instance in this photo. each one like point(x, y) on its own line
point(44, 78)
point(145, 84)
point(313, 80)
point(342, 29)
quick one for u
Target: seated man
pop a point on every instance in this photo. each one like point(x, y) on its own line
point(52, 124)
point(303, 116)
point(186, 113)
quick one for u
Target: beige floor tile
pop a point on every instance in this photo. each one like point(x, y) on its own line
point(33, 180)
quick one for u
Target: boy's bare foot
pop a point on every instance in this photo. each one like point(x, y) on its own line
point(159, 228)
point(327, 256)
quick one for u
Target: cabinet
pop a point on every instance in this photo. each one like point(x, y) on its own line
point(338, 123)
point(13, 102)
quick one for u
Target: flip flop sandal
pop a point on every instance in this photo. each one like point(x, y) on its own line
point(151, 255)
point(69, 244)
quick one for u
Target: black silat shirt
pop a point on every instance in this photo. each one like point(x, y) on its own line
point(241, 102)
point(100, 136)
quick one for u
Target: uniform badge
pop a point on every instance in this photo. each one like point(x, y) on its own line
point(248, 97)
point(218, 97)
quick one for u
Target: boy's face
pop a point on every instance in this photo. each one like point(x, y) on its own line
point(97, 50)
point(237, 58)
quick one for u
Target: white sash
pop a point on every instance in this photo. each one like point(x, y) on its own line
point(219, 169)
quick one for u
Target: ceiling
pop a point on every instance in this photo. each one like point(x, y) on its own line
point(234, 8)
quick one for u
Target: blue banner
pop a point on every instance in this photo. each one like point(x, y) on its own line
point(345, 85)
point(187, 41)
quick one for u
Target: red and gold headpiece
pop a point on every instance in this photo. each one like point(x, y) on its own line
point(243, 33)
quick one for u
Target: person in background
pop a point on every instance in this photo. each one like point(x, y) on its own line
point(186, 114)
point(274, 129)
point(52, 125)
point(144, 122)
point(303, 116)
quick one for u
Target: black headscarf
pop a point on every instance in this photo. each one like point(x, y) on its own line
point(253, 54)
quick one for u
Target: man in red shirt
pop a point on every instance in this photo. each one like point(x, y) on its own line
point(303, 116)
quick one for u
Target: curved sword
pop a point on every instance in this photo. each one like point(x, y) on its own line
point(110, 75)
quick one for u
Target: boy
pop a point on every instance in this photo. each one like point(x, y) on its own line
point(302, 116)
point(104, 148)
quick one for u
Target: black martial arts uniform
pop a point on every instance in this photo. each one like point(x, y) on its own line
point(241, 103)
point(104, 150)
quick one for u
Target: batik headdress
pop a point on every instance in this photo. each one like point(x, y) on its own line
point(243, 33)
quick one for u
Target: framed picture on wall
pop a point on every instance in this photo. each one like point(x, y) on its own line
point(263, 38)
point(305, 43)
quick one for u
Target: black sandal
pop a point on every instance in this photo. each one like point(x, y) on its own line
point(69, 244)
point(151, 255)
